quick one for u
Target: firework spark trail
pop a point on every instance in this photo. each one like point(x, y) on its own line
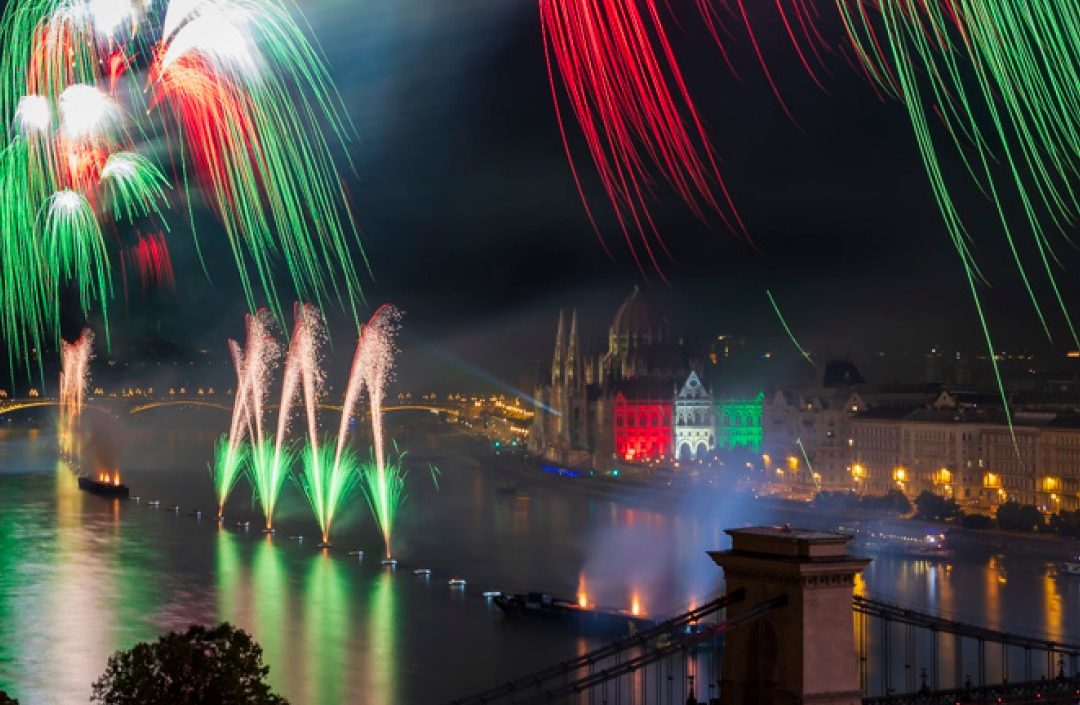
point(787, 329)
point(384, 489)
point(74, 380)
point(151, 258)
point(626, 91)
point(799, 25)
point(1017, 110)
point(327, 482)
point(245, 108)
point(134, 185)
point(302, 374)
point(260, 357)
point(252, 364)
point(376, 353)
point(73, 243)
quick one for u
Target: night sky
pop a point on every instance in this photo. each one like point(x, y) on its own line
point(472, 224)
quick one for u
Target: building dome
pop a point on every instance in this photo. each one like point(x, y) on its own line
point(637, 320)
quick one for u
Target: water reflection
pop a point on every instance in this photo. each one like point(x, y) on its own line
point(382, 643)
point(326, 630)
point(269, 597)
point(81, 577)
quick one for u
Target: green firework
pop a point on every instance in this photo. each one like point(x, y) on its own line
point(227, 468)
point(134, 186)
point(269, 467)
point(787, 329)
point(327, 484)
point(384, 490)
point(72, 241)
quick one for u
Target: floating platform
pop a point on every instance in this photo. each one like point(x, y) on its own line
point(543, 606)
point(104, 489)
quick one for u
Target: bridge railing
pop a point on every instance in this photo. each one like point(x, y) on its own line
point(664, 664)
point(903, 650)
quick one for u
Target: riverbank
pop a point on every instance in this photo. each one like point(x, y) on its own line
point(662, 489)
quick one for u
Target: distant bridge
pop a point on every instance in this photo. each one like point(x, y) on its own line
point(8, 407)
point(227, 408)
point(135, 407)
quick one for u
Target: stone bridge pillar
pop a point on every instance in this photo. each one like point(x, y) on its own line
point(802, 653)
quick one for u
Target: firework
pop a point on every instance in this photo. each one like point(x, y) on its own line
point(1012, 112)
point(234, 96)
point(227, 468)
point(253, 364)
point(303, 378)
point(787, 329)
point(626, 92)
point(72, 242)
point(134, 185)
point(151, 259)
point(383, 484)
point(74, 379)
point(327, 482)
point(269, 462)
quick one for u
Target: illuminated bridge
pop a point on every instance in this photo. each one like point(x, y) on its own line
point(141, 405)
point(789, 631)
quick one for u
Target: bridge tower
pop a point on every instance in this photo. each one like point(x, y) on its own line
point(803, 653)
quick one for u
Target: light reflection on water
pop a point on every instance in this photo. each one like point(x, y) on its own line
point(81, 576)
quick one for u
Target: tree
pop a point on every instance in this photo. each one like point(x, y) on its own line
point(894, 502)
point(1013, 516)
point(976, 521)
point(218, 666)
point(933, 507)
point(1066, 523)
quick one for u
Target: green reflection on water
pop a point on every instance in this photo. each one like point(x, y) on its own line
point(269, 602)
point(326, 631)
point(382, 646)
point(230, 577)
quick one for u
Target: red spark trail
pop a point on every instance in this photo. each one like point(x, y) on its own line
point(624, 86)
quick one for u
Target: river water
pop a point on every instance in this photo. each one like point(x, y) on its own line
point(82, 576)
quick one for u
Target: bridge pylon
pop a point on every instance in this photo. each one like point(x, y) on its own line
point(803, 653)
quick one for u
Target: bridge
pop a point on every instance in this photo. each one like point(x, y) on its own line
point(789, 631)
point(135, 406)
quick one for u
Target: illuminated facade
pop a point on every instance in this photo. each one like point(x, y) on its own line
point(695, 421)
point(616, 406)
point(643, 423)
point(738, 423)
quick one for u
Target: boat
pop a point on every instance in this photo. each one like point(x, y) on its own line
point(926, 546)
point(491, 594)
point(389, 562)
point(543, 606)
point(105, 489)
point(1070, 568)
point(456, 582)
point(357, 554)
point(243, 524)
point(154, 503)
point(422, 571)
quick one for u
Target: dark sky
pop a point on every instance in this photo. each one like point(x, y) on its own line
point(473, 226)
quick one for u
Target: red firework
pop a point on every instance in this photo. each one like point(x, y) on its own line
point(627, 93)
point(150, 256)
